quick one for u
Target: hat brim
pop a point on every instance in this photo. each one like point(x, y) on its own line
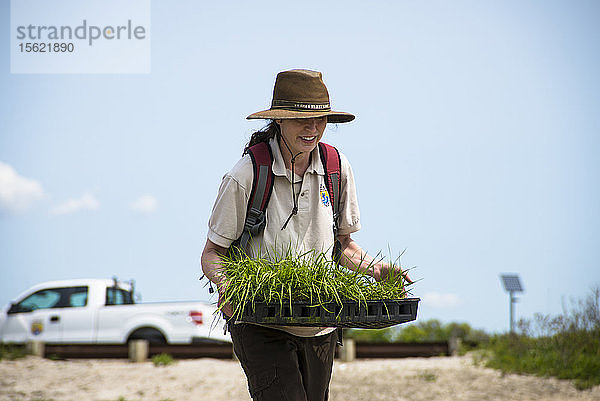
point(273, 114)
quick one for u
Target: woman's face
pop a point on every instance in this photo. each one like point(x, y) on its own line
point(302, 134)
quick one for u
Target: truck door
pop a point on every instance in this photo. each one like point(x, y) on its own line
point(35, 318)
point(112, 318)
point(77, 317)
point(52, 315)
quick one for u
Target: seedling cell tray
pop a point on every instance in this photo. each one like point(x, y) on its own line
point(350, 314)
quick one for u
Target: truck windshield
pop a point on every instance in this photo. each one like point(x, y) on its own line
point(118, 296)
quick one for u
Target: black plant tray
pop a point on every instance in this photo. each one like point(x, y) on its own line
point(351, 314)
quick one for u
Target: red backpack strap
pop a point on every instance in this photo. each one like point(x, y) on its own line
point(262, 186)
point(330, 157)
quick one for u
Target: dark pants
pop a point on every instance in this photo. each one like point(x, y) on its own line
point(280, 366)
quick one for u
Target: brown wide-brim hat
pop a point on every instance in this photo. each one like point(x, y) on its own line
point(301, 94)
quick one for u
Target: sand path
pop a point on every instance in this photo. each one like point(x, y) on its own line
point(442, 378)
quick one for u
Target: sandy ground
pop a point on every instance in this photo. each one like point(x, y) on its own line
point(442, 378)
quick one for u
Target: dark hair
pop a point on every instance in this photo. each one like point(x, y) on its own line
point(263, 135)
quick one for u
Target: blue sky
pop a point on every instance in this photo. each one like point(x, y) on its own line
point(475, 147)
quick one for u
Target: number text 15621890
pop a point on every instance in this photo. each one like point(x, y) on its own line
point(47, 47)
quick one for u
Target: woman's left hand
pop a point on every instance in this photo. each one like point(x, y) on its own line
point(354, 258)
point(382, 270)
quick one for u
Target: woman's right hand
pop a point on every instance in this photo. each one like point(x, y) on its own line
point(227, 309)
point(211, 266)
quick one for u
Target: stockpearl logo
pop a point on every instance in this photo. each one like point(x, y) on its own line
point(73, 36)
point(85, 31)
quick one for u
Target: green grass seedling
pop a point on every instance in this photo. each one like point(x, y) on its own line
point(311, 277)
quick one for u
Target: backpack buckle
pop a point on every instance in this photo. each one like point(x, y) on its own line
point(255, 221)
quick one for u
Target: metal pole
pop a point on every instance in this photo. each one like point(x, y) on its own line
point(512, 316)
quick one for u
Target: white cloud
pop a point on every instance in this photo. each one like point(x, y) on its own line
point(17, 193)
point(144, 204)
point(86, 202)
point(441, 300)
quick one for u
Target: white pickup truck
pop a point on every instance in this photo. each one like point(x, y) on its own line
point(92, 311)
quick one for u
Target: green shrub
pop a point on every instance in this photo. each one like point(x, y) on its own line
point(566, 346)
point(370, 335)
point(428, 376)
point(162, 360)
point(426, 331)
point(12, 351)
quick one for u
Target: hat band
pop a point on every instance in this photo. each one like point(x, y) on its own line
point(299, 106)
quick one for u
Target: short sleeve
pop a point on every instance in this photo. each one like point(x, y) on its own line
point(349, 213)
point(227, 219)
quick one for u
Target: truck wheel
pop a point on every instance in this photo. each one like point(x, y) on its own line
point(153, 336)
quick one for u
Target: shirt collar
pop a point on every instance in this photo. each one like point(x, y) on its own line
point(279, 169)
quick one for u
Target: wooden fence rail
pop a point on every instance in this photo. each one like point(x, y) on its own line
point(225, 351)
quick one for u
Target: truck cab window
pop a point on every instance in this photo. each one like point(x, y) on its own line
point(78, 297)
point(52, 298)
point(118, 296)
point(43, 299)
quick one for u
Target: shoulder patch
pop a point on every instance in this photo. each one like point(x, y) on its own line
point(324, 195)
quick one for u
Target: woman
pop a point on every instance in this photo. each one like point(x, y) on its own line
point(284, 362)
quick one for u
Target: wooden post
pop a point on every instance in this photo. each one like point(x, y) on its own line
point(138, 350)
point(35, 348)
point(348, 351)
point(454, 344)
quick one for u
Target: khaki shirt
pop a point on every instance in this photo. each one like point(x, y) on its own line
point(311, 228)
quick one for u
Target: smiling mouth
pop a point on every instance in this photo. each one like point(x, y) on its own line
point(308, 138)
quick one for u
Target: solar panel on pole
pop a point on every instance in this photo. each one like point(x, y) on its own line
point(512, 284)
